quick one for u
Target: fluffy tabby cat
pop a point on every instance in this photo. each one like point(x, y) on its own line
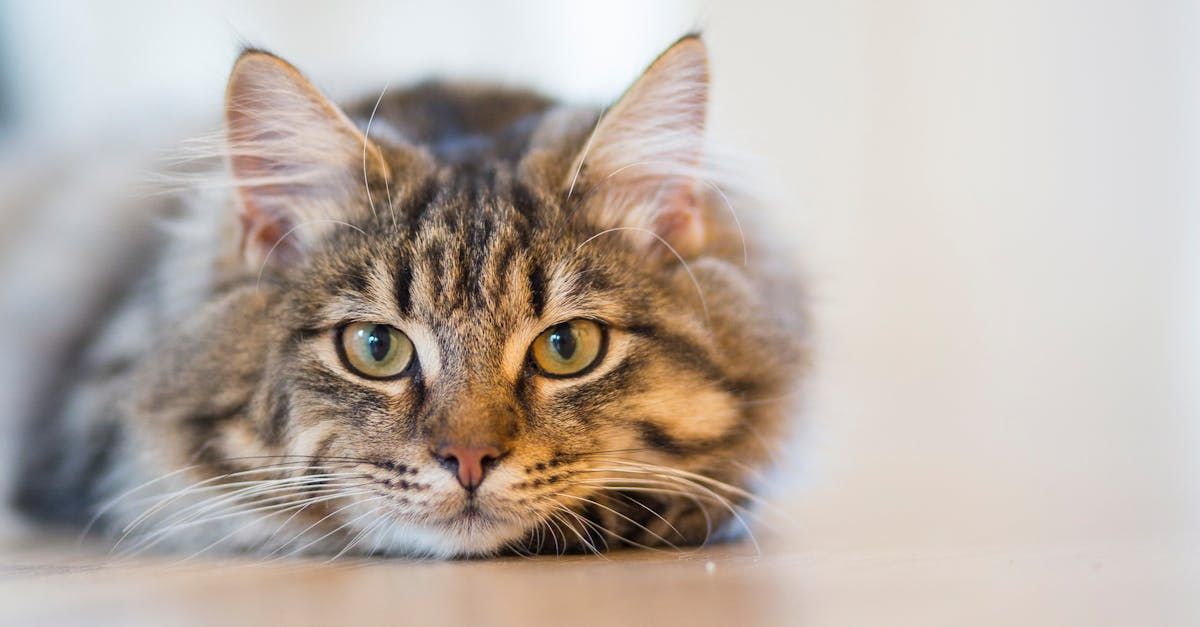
point(455, 321)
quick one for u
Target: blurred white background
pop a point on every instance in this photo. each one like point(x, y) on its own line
point(75, 67)
point(996, 202)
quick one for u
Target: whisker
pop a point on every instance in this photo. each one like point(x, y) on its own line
point(556, 514)
point(552, 530)
point(647, 486)
point(366, 144)
point(339, 527)
point(299, 457)
point(315, 524)
point(623, 516)
point(259, 519)
point(379, 521)
point(583, 155)
point(111, 503)
point(708, 182)
point(194, 489)
point(736, 491)
point(296, 484)
point(271, 250)
point(588, 526)
point(157, 536)
point(381, 536)
point(683, 262)
point(649, 509)
point(323, 496)
point(167, 501)
point(733, 510)
point(611, 451)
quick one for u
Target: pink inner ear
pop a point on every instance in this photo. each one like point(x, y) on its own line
point(263, 226)
point(646, 155)
point(679, 221)
point(264, 236)
point(293, 155)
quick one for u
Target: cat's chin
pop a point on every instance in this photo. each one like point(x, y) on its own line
point(463, 537)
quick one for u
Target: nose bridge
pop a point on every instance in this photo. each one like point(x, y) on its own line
point(475, 404)
point(475, 417)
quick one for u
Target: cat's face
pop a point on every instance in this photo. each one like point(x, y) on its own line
point(558, 350)
point(496, 362)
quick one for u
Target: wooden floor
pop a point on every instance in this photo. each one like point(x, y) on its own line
point(787, 583)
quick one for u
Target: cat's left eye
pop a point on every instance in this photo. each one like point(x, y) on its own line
point(374, 351)
point(568, 349)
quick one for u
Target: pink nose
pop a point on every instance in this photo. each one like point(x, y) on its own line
point(469, 463)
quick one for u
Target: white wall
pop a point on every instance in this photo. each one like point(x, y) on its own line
point(83, 65)
point(1000, 207)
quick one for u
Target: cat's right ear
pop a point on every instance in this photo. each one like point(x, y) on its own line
point(299, 164)
point(641, 171)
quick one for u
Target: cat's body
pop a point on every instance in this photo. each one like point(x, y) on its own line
point(215, 401)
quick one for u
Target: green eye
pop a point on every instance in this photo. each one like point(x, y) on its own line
point(569, 348)
point(374, 351)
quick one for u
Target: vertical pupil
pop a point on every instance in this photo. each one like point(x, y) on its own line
point(563, 341)
point(379, 342)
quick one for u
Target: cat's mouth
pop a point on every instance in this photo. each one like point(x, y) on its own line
point(475, 529)
point(471, 510)
point(472, 514)
point(425, 519)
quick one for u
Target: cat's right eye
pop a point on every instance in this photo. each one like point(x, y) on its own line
point(374, 351)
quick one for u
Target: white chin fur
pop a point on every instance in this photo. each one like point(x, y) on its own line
point(459, 540)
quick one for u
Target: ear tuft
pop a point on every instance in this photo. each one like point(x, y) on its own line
point(297, 160)
point(644, 161)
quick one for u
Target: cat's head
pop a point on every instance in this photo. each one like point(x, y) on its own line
point(552, 343)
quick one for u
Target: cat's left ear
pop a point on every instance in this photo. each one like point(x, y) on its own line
point(299, 164)
point(642, 168)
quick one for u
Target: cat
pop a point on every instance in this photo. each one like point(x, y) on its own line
point(453, 321)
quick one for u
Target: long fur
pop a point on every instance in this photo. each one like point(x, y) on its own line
point(214, 412)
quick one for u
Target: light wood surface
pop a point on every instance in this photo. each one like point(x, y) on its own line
point(1108, 584)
